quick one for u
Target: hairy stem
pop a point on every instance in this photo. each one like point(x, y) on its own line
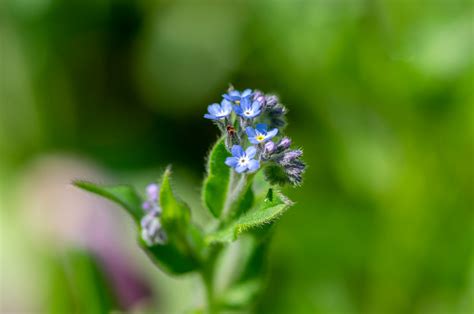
point(237, 186)
point(228, 201)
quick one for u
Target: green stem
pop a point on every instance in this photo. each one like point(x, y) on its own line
point(208, 281)
point(228, 201)
point(237, 206)
point(207, 275)
point(238, 185)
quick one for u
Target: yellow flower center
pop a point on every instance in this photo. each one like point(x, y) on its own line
point(260, 137)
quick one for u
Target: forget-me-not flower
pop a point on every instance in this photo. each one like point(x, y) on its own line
point(236, 96)
point(217, 112)
point(260, 133)
point(242, 160)
point(248, 109)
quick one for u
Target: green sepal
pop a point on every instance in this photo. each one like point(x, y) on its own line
point(123, 195)
point(216, 184)
point(276, 175)
point(274, 205)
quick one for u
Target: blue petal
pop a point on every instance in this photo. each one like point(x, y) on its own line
point(256, 113)
point(245, 103)
point(261, 128)
point(250, 152)
point(253, 165)
point(227, 97)
point(272, 133)
point(237, 151)
point(253, 140)
point(234, 93)
point(250, 131)
point(214, 109)
point(246, 93)
point(241, 169)
point(226, 106)
point(238, 110)
point(210, 116)
point(232, 161)
point(256, 106)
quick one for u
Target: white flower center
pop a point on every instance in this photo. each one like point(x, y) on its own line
point(248, 112)
point(243, 161)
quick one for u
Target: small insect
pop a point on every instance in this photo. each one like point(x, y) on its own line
point(230, 130)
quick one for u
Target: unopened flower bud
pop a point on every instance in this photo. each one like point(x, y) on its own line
point(152, 231)
point(147, 206)
point(295, 175)
point(152, 192)
point(290, 156)
point(284, 143)
point(271, 100)
point(269, 148)
point(259, 96)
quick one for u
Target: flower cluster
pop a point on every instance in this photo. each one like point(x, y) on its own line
point(152, 232)
point(251, 121)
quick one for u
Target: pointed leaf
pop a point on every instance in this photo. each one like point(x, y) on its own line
point(176, 256)
point(124, 195)
point(176, 213)
point(216, 184)
point(180, 254)
point(274, 205)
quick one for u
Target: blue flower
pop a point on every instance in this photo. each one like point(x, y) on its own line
point(217, 111)
point(248, 109)
point(236, 96)
point(260, 134)
point(243, 160)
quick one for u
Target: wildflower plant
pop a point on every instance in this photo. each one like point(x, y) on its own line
point(245, 170)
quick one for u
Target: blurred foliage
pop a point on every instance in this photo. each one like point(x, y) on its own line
point(380, 97)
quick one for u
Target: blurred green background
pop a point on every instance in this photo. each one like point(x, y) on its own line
point(381, 99)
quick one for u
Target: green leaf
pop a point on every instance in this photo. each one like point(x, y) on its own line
point(88, 291)
point(216, 184)
point(274, 205)
point(181, 253)
point(124, 195)
point(174, 257)
point(176, 213)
